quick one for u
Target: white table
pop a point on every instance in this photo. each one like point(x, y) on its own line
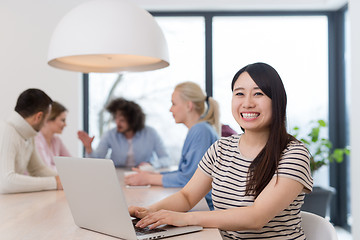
point(46, 215)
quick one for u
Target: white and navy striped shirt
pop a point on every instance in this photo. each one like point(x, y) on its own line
point(229, 169)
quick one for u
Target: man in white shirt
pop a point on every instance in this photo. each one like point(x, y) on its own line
point(21, 168)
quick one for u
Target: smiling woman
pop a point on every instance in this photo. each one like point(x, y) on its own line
point(251, 108)
point(258, 179)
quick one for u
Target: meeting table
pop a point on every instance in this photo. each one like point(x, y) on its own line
point(46, 215)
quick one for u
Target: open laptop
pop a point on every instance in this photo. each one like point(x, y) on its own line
point(97, 202)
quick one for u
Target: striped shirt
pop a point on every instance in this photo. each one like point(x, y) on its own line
point(228, 169)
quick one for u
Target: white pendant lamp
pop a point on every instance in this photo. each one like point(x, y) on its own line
point(108, 36)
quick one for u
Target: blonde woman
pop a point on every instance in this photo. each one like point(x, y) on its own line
point(200, 114)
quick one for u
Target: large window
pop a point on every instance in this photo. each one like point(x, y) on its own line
point(348, 218)
point(297, 47)
point(208, 48)
point(152, 90)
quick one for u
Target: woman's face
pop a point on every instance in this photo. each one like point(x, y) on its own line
point(251, 108)
point(57, 125)
point(178, 107)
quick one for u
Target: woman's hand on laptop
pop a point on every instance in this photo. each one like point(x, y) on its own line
point(155, 219)
point(138, 212)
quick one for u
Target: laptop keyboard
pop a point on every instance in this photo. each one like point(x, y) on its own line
point(143, 231)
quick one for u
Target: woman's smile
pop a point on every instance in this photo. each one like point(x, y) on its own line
point(249, 116)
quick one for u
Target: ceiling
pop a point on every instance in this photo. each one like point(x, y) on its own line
point(239, 5)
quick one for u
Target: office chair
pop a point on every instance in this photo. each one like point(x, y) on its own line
point(317, 228)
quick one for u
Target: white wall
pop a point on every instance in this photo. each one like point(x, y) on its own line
point(26, 28)
point(354, 10)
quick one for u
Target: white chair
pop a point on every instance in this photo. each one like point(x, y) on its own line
point(317, 228)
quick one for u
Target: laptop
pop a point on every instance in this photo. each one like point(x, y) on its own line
point(97, 202)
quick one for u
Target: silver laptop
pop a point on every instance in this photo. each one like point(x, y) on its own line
point(97, 202)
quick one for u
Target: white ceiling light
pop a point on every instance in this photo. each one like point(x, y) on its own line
point(108, 36)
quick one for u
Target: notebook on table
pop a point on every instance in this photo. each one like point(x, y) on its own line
point(97, 202)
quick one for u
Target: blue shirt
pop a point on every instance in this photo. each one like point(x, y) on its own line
point(199, 138)
point(147, 147)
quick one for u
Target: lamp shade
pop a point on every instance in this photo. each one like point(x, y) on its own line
point(108, 36)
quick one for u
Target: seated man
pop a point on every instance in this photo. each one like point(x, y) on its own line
point(21, 168)
point(131, 142)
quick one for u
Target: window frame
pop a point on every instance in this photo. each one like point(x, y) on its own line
point(337, 94)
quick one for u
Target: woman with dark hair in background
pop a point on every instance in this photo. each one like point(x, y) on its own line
point(258, 178)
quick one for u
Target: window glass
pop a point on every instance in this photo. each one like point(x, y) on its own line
point(152, 90)
point(296, 46)
point(347, 101)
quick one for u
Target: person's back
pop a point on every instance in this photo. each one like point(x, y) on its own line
point(17, 149)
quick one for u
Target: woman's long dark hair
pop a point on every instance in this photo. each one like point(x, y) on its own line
point(264, 166)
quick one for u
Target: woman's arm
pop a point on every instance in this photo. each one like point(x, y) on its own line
point(196, 189)
point(196, 144)
point(182, 201)
point(279, 193)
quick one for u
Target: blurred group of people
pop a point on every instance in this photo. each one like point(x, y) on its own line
point(254, 181)
point(131, 142)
